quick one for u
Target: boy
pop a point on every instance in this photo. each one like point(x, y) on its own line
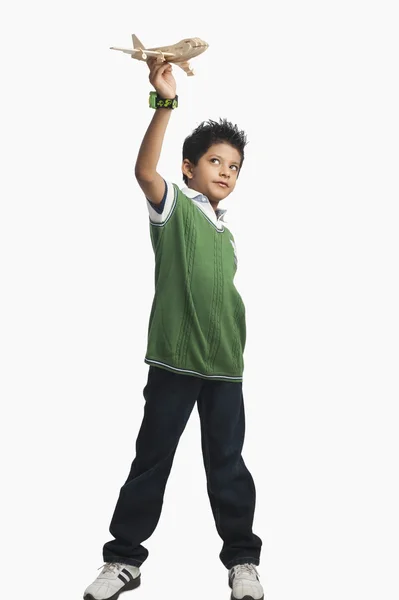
point(196, 339)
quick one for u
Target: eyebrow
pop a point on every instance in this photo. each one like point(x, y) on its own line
point(233, 162)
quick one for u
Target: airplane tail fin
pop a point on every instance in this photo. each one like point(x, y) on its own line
point(137, 43)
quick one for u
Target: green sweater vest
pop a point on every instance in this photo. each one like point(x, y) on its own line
point(197, 320)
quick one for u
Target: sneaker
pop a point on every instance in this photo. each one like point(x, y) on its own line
point(244, 581)
point(113, 579)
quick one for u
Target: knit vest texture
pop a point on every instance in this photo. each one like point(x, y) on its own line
point(197, 320)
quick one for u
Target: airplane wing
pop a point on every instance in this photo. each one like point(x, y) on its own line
point(147, 52)
point(185, 66)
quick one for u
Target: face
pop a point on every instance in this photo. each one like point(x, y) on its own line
point(216, 173)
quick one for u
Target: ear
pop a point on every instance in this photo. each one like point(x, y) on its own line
point(187, 168)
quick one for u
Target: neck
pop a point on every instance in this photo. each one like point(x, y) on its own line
point(214, 204)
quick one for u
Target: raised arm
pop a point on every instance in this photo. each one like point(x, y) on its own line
point(146, 172)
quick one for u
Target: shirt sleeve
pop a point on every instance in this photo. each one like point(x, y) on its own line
point(160, 212)
point(160, 207)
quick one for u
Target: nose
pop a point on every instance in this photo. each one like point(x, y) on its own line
point(224, 172)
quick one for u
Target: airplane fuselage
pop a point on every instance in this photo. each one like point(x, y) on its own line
point(184, 50)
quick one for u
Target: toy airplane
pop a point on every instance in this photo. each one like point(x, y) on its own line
point(178, 54)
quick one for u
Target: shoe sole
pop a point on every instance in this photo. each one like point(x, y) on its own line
point(245, 597)
point(130, 585)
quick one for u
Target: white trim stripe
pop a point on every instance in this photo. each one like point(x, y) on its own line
point(161, 218)
point(157, 362)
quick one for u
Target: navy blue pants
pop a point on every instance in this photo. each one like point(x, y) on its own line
point(169, 401)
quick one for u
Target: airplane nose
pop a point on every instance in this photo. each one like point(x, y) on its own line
point(200, 43)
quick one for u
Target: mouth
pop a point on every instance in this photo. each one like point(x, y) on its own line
point(222, 184)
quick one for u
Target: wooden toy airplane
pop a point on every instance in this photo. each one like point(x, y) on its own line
point(178, 54)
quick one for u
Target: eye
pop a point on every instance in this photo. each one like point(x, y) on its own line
point(212, 159)
point(234, 167)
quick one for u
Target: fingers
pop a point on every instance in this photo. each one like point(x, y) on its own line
point(157, 68)
point(151, 62)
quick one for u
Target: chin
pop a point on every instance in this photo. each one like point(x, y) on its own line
point(217, 197)
point(220, 192)
point(224, 194)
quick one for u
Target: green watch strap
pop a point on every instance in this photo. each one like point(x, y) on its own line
point(156, 101)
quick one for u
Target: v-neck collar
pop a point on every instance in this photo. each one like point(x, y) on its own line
point(205, 205)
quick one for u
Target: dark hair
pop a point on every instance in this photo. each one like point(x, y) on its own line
point(211, 132)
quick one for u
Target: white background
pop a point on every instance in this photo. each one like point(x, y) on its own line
point(315, 217)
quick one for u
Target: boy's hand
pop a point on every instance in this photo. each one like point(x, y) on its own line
point(161, 78)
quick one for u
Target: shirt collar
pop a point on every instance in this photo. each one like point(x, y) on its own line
point(194, 195)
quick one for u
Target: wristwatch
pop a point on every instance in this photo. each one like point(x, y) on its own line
point(156, 101)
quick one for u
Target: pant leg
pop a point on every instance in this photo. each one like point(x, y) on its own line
point(230, 485)
point(169, 400)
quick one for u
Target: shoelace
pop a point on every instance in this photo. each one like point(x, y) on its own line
point(247, 567)
point(109, 567)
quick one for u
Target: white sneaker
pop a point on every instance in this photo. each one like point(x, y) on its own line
point(244, 581)
point(113, 579)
